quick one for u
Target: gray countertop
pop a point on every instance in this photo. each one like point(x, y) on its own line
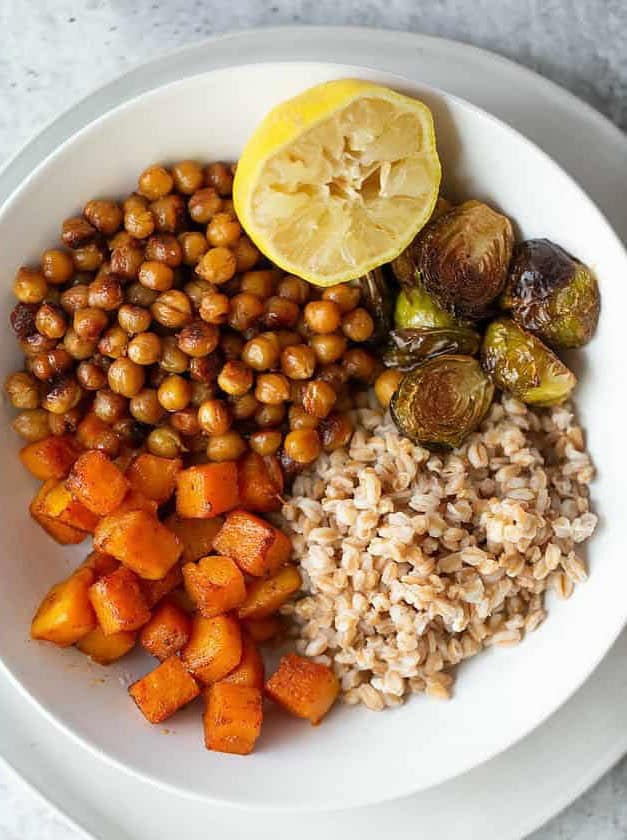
point(53, 52)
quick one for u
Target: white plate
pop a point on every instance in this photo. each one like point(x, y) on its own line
point(467, 745)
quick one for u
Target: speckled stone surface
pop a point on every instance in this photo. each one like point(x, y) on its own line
point(53, 52)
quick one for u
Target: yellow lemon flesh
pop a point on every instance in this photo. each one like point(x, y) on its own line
point(338, 180)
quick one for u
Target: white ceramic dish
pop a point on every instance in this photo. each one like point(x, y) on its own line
point(348, 760)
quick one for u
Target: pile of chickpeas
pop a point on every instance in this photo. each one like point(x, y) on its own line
point(159, 324)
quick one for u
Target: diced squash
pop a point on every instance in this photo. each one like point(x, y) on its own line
point(207, 490)
point(262, 629)
point(140, 541)
point(96, 482)
point(136, 501)
point(154, 590)
point(123, 460)
point(59, 531)
point(66, 615)
point(232, 718)
point(215, 584)
point(305, 688)
point(214, 648)
point(101, 563)
point(260, 482)
point(167, 631)
point(51, 457)
point(182, 600)
point(250, 670)
point(165, 690)
point(119, 602)
point(257, 547)
point(106, 649)
point(59, 504)
point(196, 535)
point(264, 597)
point(154, 477)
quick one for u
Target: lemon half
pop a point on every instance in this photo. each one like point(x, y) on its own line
point(338, 180)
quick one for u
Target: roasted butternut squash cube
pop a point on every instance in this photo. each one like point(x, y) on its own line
point(257, 547)
point(214, 647)
point(59, 531)
point(305, 688)
point(250, 670)
point(155, 590)
point(196, 535)
point(96, 482)
point(136, 501)
point(215, 584)
point(164, 691)
point(262, 629)
point(51, 457)
point(232, 718)
point(264, 597)
point(206, 490)
point(167, 631)
point(119, 602)
point(138, 540)
point(260, 482)
point(60, 504)
point(66, 615)
point(106, 649)
point(181, 599)
point(101, 564)
point(154, 477)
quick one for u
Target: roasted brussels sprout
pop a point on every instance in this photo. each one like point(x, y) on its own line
point(552, 294)
point(442, 400)
point(410, 348)
point(377, 298)
point(416, 308)
point(521, 364)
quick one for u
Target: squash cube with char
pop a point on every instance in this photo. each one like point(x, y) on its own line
point(250, 670)
point(305, 688)
point(101, 564)
point(196, 535)
point(260, 482)
point(60, 531)
point(136, 501)
point(232, 718)
point(262, 629)
point(138, 540)
point(206, 490)
point(167, 631)
point(106, 649)
point(257, 547)
point(66, 615)
point(164, 691)
point(118, 602)
point(214, 647)
point(96, 482)
point(155, 590)
point(265, 596)
point(51, 457)
point(154, 477)
point(215, 584)
point(60, 504)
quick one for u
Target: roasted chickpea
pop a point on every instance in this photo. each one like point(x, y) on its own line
point(174, 393)
point(76, 297)
point(50, 321)
point(145, 348)
point(267, 415)
point(244, 407)
point(319, 398)
point(105, 292)
point(87, 258)
point(245, 311)
point(172, 309)
point(235, 378)
point(223, 230)
point(298, 418)
point(329, 347)
point(358, 325)
point(386, 384)
point(215, 308)
point(272, 388)
point(168, 213)
point(30, 285)
point(198, 339)
point(76, 232)
point(214, 417)
point(92, 433)
point(126, 260)
point(138, 295)
point(165, 248)
point(139, 222)
point(130, 433)
point(109, 406)
point(67, 423)
point(344, 296)
point(32, 425)
point(298, 361)
point(202, 392)
point(227, 447)
point(173, 360)
point(204, 204)
point(121, 239)
point(145, 407)
point(219, 176)
point(193, 246)
point(90, 376)
point(155, 182)
point(125, 377)
point(23, 390)
point(322, 316)
point(114, 342)
point(185, 421)
point(79, 348)
point(259, 283)
point(280, 313)
point(287, 338)
point(188, 176)
point(156, 275)
point(206, 368)
point(105, 216)
point(216, 266)
point(335, 375)
point(62, 395)
point(89, 323)
point(165, 442)
point(134, 319)
point(246, 254)
point(265, 441)
point(335, 431)
point(232, 345)
point(297, 391)
point(46, 366)
point(360, 364)
point(302, 445)
point(262, 352)
point(196, 289)
point(58, 266)
point(294, 289)
point(36, 343)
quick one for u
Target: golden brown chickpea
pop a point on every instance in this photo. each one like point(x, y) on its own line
point(280, 313)
point(360, 364)
point(216, 266)
point(328, 347)
point(155, 182)
point(246, 254)
point(165, 248)
point(109, 406)
point(262, 352)
point(165, 442)
point(335, 431)
point(174, 393)
point(76, 297)
point(244, 312)
point(57, 266)
point(62, 395)
point(319, 398)
point(114, 342)
point(358, 325)
point(297, 391)
point(30, 285)
point(78, 348)
point(223, 230)
point(196, 289)
point(287, 338)
point(130, 433)
point(50, 321)
point(229, 207)
point(34, 344)
point(46, 366)
point(193, 246)
point(105, 216)
point(138, 295)
point(76, 232)
point(145, 348)
point(302, 445)
point(202, 392)
point(198, 339)
point(299, 419)
point(173, 360)
point(386, 384)
point(344, 296)
point(146, 408)
point(259, 283)
point(134, 201)
point(126, 260)
point(294, 289)
point(89, 323)
point(156, 275)
point(322, 316)
point(335, 375)
point(90, 376)
point(134, 319)
point(272, 388)
point(88, 258)
point(125, 377)
point(185, 421)
point(65, 424)
point(32, 425)
point(121, 239)
point(204, 204)
point(244, 407)
point(231, 345)
point(218, 175)
point(105, 292)
point(298, 362)
point(206, 368)
point(265, 441)
point(268, 416)
point(227, 447)
point(139, 222)
point(235, 378)
point(215, 308)
point(168, 213)
point(172, 309)
point(23, 390)
point(188, 176)
point(214, 417)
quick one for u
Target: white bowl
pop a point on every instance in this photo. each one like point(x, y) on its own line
point(355, 757)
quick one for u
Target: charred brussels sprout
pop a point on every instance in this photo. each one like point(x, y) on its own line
point(521, 364)
point(442, 400)
point(404, 266)
point(416, 308)
point(410, 348)
point(552, 294)
point(377, 298)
